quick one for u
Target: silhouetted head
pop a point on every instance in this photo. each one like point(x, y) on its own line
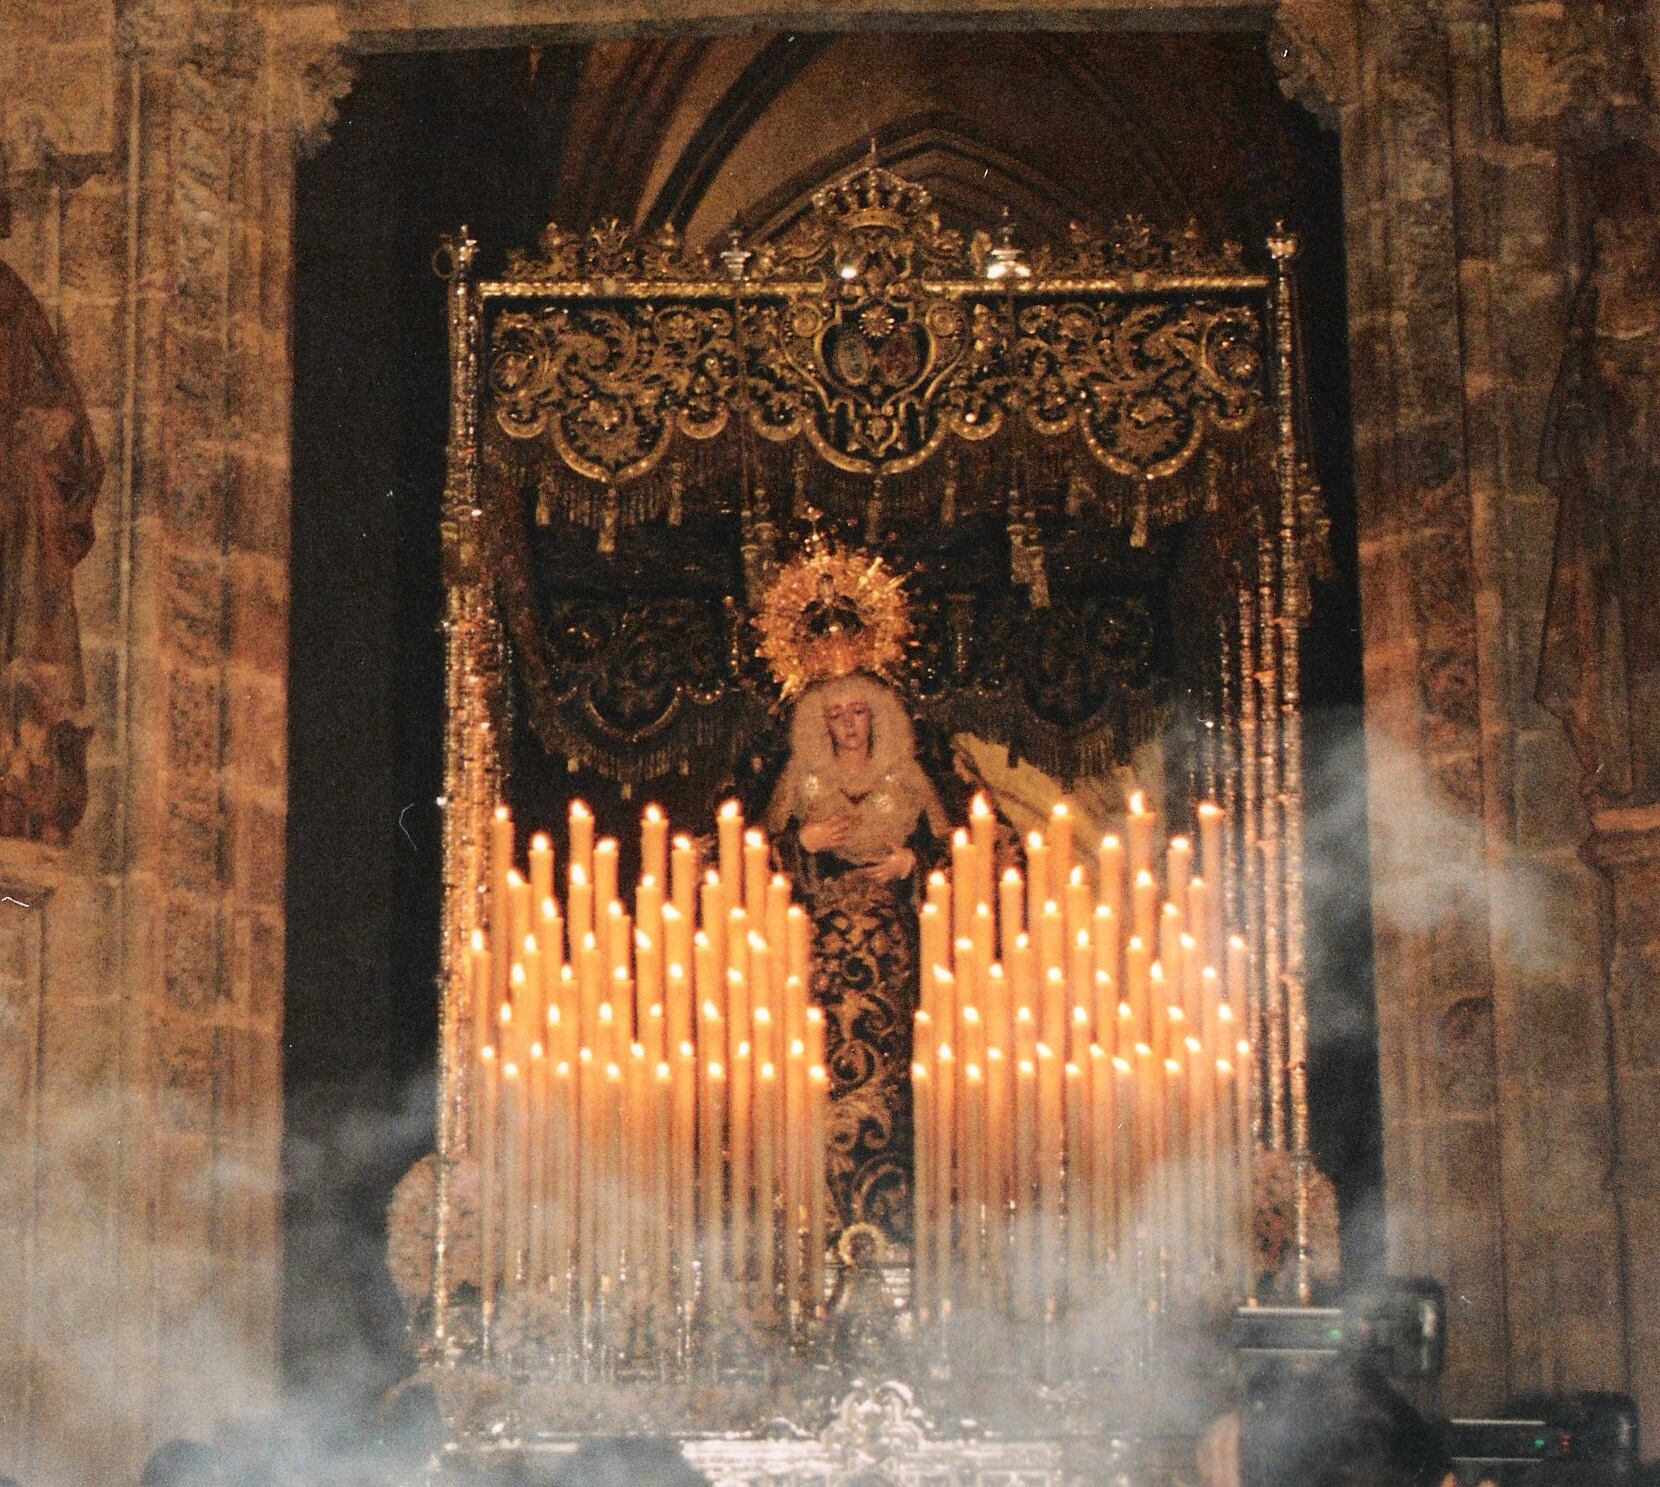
point(180, 1463)
point(1340, 1425)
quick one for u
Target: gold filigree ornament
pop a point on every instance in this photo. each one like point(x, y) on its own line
point(832, 612)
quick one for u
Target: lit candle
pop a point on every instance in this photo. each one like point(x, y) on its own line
point(1076, 1102)
point(797, 1163)
point(1010, 911)
point(1051, 938)
point(973, 1178)
point(1138, 964)
point(605, 873)
point(756, 872)
point(818, 1105)
point(683, 877)
point(1025, 1268)
point(729, 834)
point(1081, 991)
point(489, 1254)
point(514, 1173)
point(537, 1270)
point(541, 867)
point(945, 1124)
point(712, 907)
point(1144, 906)
point(963, 884)
point(1103, 1133)
point(1105, 935)
point(566, 1155)
point(999, 1115)
point(1060, 841)
point(767, 1120)
point(1178, 864)
point(932, 932)
point(579, 904)
point(581, 840)
point(982, 827)
point(483, 1003)
point(1037, 873)
point(1075, 902)
point(654, 844)
point(778, 919)
point(922, 1161)
point(619, 932)
point(1171, 930)
point(662, 1213)
point(1109, 867)
point(1139, 827)
point(740, 1091)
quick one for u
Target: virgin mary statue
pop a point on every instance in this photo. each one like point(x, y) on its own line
point(859, 825)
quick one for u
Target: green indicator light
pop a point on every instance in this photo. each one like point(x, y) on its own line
point(1538, 1443)
point(1335, 1334)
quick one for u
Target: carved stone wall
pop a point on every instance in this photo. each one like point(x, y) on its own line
point(140, 967)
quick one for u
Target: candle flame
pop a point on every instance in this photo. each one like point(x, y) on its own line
point(959, 838)
point(682, 842)
point(1224, 1012)
point(585, 1055)
point(605, 1012)
point(816, 1073)
point(1110, 842)
point(1176, 1014)
point(1023, 941)
point(945, 1053)
point(1188, 942)
point(513, 878)
point(1125, 1010)
point(579, 810)
point(478, 941)
point(1076, 877)
point(487, 1052)
point(756, 942)
point(612, 1071)
point(815, 1015)
point(1192, 1044)
point(918, 1071)
point(1080, 1015)
point(536, 1050)
point(716, 1072)
point(1143, 1051)
point(767, 1070)
point(1122, 1065)
point(729, 809)
point(1172, 1067)
point(711, 878)
point(978, 806)
point(711, 1011)
point(1045, 1051)
point(554, 1015)
point(654, 1012)
point(994, 1055)
point(1072, 1070)
point(579, 875)
point(1051, 909)
point(686, 1048)
point(509, 1071)
point(654, 813)
point(1027, 1067)
point(675, 971)
point(541, 842)
point(563, 1068)
point(971, 1014)
point(506, 1014)
point(663, 1072)
point(1144, 878)
point(797, 1048)
point(1034, 841)
point(1022, 1014)
point(763, 1015)
point(550, 910)
point(1138, 804)
point(1083, 939)
point(994, 971)
point(922, 1017)
point(1011, 876)
point(1208, 810)
point(753, 838)
point(1236, 942)
point(1244, 1048)
point(972, 1071)
point(501, 813)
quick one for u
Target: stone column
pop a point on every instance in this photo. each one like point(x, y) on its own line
point(141, 966)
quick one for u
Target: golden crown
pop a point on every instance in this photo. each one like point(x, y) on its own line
point(832, 612)
point(872, 197)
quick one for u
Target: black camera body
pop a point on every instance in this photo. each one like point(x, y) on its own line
point(1575, 1441)
point(1399, 1328)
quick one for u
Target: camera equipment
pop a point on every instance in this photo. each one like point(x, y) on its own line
point(1400, 1327)
point(1579, 1439)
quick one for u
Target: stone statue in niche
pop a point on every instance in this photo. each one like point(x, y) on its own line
point(1599, 666)
point(50, 472)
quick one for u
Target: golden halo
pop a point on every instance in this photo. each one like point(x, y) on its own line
point(832, 612)
point(851, 1235)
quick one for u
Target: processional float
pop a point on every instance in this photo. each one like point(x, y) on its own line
point(628, 1225)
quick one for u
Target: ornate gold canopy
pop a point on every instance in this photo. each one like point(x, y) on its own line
point(875, 337)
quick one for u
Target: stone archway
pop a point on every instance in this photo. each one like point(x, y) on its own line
point(153, 145)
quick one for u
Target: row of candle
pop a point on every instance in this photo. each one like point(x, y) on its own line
point(651, 1099)
point(1080, 1079)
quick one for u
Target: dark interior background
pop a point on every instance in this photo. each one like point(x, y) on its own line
point(503, 141)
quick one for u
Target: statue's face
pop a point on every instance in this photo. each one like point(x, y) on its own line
point(849, 725)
